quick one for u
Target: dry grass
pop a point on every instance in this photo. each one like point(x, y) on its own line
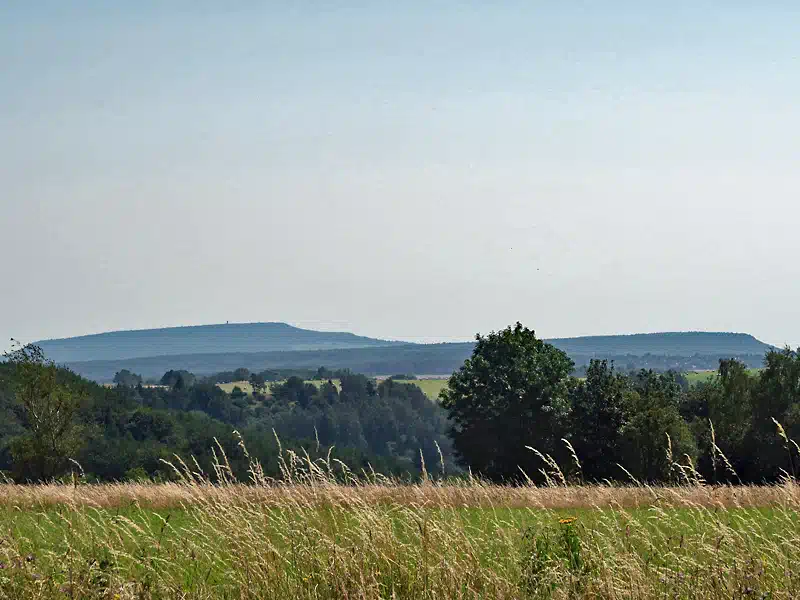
point(322, 533)
point(388, 493)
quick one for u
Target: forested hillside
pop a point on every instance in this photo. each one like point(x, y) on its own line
point(125, 431)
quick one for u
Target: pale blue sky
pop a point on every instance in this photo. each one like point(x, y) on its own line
point(407, 170)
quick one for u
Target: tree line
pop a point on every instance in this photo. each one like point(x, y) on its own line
point(255, 378)
point(517, 411)
point(514, 412)
point(53, 422)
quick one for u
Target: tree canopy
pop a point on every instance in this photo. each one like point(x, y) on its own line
point(516, 393)
point(512, 393)
point(45, 406)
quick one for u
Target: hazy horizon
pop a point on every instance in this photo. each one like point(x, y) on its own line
point(390, 339)
point(402, 171)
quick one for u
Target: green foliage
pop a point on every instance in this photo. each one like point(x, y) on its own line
point(515, 392)
point(137, 475)
point(129, 431)
point(600, 413)
point(552, 547)
point(776, 395)
point(180, 379)
point(125, 377)
point(258, 383)
point(512, 393)
point(653, 425)
point(45, 406)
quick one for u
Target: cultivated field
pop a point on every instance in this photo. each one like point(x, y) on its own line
point(431, 387)
point(321, 532)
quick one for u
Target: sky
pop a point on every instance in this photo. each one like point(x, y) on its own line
point(404, 170)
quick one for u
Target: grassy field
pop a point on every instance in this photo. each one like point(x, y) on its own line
point(320, 532)
point(694, 377)
point(431, 387)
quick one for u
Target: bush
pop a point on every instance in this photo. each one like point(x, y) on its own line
point(137, 475)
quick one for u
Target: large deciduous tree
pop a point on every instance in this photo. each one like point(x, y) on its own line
point(46, 408)
point(512, 393)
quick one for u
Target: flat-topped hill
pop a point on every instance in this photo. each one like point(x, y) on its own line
point(684, 343)
point(212, 348)
point(201, 339)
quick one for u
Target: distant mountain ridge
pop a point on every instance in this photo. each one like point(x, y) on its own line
point(200, 339)
point(208, 349)
point(683, 343)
